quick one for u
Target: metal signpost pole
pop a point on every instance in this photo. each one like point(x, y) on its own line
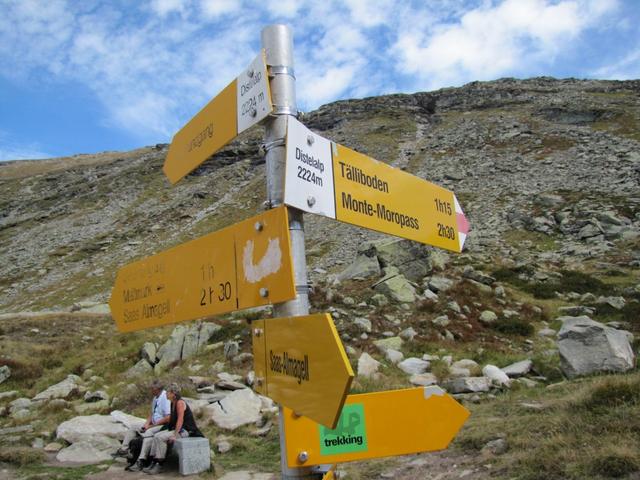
point(277, 40)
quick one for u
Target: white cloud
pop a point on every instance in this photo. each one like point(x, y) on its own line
point(10, 149)
point(283, 8)
point(165, 7)
point(625, 69)
point(218, 8)
point(491, 40)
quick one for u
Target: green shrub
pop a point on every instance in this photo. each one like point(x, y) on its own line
point(614, 465)
point(21, 456)
point(513, 326)
point(612, 393)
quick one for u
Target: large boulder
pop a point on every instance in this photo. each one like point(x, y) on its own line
point(64, 389)
point(95, 449)
point(184, 342)
point(129, 421)
point(588, 347)
point(367, 365)
point(240, 407)
point(467, 385)
point(411, 258)
point(362, 267)
point(414, 366)
point(397, 288)
point(83, 428)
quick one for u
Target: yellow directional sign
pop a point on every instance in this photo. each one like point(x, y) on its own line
point(372, 425)
point(242, 266)
point(300, 363)
point(242, 103)
point(329, 179)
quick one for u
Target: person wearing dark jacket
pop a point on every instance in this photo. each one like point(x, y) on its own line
point(181, 424)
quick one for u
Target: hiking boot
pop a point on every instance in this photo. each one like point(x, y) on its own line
point(136, 467)
point(121, 452)
point(154, 469)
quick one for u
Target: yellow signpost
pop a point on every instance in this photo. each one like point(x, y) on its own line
point(300, 363)
point(242, 266)
point(329, 179)
point(375, 195)
point(373, 425)
point(241, 104)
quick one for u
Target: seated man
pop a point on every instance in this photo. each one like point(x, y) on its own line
point(160, 415)
point(181, 424)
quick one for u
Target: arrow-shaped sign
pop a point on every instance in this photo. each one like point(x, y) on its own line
point(242, 266)
point(373, 425)
point(300, 363)
point(329, 179)
point(242, 104)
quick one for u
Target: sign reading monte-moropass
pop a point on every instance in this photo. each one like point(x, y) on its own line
point(373, 425)
point(242, 266)
point(242, 104)
point(329, 179)
point(300, 363)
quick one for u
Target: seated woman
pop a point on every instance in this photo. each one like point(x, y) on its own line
point(181, 424)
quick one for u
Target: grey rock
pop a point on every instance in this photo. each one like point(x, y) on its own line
point(379, 299)
point(414, 366)
point(588, 347)
point(454, 307)
point(423, 379)
point(223, 445)
point(82, 428)
point(439, 284)
point(240, 407)
point(194, 455)
point(367, 365)
point(5, 373)
point(411, 258)
point(362, 267)
point(497, 376)
point(8, 395)
point(394, 356)
point(527, 382)
point(488, 317)
point(397, 288)
point(518, 369)
point(547, 332)
point(92, 407)
point(441, 321)
point(467, 385)
point(96, 396)
point(231, 349)
point(408, 334)
point(64, 389)
point(498, 446)
point(394, 343)
point(478, 276)
point(170, 352)
point(140, 369)
point(616, 302)
point(95, 449)
point(363, 324)
point(53, 447)
point(20, 404)
point(465, 363)
point(149, 352)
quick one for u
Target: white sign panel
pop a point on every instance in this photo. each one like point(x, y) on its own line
point(309, 171)
point(254, 97)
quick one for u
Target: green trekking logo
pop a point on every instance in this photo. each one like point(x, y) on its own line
point(350, 435)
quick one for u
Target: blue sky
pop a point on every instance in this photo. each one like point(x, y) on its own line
point(89, 76)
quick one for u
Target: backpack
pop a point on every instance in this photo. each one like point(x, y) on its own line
point(135, 447)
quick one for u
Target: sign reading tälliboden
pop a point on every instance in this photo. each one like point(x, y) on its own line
point(329, 179)
point(240, 105)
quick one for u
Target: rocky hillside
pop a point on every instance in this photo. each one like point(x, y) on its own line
point(546, 293)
